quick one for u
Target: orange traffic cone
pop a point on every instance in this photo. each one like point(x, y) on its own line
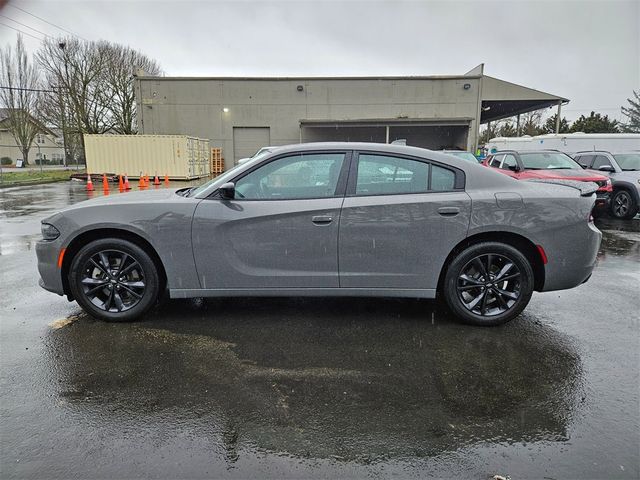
point(141, 181)
point(156, 180)
point(166, 180)
point(105, 183)
point(120, 183)
point(89, 183)
point(126, 182)
point(146, 180)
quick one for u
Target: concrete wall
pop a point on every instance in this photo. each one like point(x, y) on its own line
point(195, 106)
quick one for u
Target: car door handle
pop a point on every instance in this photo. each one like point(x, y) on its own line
point(448, 211)
point(322, 219)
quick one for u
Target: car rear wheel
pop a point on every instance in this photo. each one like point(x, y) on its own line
point(622, 205)
point(114, 280)
point(488, 284)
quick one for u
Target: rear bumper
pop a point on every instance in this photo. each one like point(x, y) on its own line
point(50, 275)
point(571, 262)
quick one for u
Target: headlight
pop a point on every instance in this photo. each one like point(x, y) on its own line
point(49, 232)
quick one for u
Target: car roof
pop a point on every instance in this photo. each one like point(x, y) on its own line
point(583, 152)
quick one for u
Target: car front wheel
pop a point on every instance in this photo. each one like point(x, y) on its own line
point(114, 279)
point(622, 205)
point(488, 284)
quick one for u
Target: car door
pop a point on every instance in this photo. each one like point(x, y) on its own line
point(280, 230)
point(400, 219)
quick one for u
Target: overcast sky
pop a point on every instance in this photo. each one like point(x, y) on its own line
point(588, 52)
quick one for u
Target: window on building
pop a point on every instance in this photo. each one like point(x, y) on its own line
point(39, 138)
point(296, 176)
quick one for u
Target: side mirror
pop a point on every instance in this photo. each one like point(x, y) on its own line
point(228, 190)
point(514, 168)
point(606, 168)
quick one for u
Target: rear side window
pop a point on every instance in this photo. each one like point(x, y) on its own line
point(387, 175)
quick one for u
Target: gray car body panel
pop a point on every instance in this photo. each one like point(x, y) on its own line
point(378, 245)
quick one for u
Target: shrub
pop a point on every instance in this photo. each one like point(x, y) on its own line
point(6, 161)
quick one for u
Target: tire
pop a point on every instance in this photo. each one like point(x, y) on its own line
point(478, 300)
point(622, 205)
point(107, 295)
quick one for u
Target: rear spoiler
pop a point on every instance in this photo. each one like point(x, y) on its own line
point(586, 188)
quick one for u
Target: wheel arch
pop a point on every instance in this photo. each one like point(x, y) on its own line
point(629, 187)
point(100, 233)
point(520, 242)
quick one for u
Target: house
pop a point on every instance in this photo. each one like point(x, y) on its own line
point(46, 145)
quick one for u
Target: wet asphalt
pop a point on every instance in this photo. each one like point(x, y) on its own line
point(288, 387)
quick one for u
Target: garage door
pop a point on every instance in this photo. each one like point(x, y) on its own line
point(248, 140)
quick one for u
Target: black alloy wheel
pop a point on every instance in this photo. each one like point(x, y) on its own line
point(488, 283)
point(114, 279)
point(622, 205)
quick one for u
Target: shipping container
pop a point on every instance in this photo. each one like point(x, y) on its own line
point(179, 156)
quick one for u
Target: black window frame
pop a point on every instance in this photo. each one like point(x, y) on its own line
point(459, 181)
point(341, 185)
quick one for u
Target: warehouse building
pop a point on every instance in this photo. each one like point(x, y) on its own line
point(240, 115)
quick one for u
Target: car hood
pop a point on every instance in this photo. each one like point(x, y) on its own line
point(127, 198)
point(629, 175)
point(573, 174)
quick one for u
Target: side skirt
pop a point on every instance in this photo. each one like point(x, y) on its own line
point(303, 292)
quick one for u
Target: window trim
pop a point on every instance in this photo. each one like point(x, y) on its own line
point(459, 180)
point(340, 185)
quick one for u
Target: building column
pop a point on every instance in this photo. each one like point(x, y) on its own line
point(387, 133)
point(558, 116)
point(518, 125)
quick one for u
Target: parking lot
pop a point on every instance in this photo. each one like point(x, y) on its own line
point(289, 387)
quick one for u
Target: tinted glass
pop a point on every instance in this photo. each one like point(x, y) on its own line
point(442, 178)
point(584, 160)
point(496, 160)
point(297, 176)
point(509, 161)
point(600, 161)
point(378, 174)
point(547, 161)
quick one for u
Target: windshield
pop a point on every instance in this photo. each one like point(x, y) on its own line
point(548, 161)
point(465, 156)
point(223, 177)
point(628, 161)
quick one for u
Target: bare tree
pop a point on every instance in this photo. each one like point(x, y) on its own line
point(77, 69)
point(124, 64)
point(19, 95)
point(531, 123)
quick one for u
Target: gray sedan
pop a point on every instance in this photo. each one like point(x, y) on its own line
point(328, 219)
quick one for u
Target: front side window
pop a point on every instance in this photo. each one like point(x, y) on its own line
point(386, 175)
point(584, 160)
point(601, 161)
point(313, 175)
point(628, 161)
point(509, 162)
point(495, 161)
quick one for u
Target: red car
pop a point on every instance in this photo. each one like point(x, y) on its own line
point(548, 164)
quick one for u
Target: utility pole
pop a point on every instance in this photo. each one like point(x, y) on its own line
point(558, 116)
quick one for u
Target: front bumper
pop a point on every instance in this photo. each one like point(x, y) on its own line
point(50, 275)
point(602, 200)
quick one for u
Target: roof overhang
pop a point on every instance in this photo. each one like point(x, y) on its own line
point(383, 122)
point(501, 99)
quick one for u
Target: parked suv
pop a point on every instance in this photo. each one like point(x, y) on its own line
point(546, 165)
point(624, 170)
